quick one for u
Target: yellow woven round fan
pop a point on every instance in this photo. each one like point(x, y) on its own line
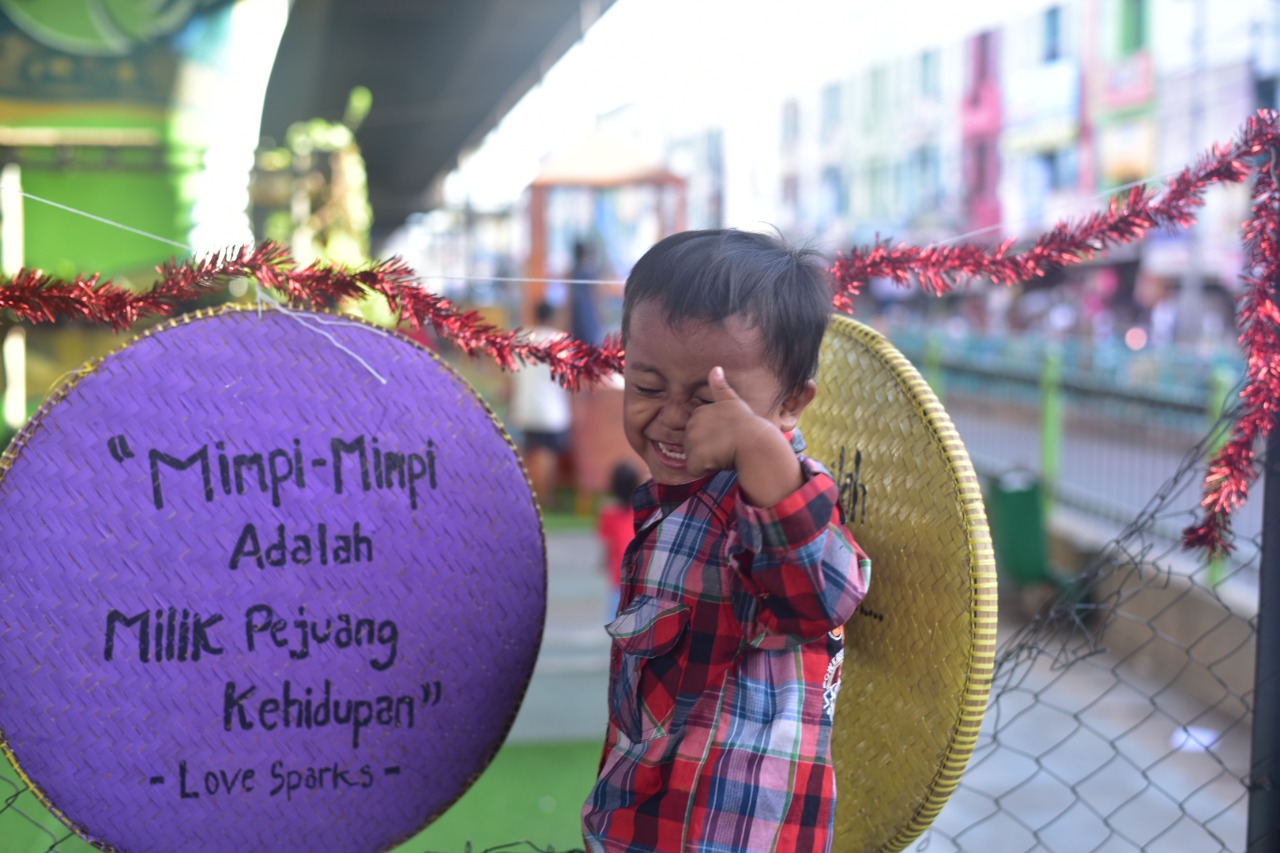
point(919, 651)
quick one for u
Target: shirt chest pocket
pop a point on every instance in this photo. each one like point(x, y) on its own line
point(650, 640)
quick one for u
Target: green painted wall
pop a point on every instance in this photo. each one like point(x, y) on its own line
point(90, 67)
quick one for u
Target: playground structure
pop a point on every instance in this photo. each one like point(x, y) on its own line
point(609, 193)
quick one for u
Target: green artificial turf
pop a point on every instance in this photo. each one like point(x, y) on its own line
point(26, 826)
point(532, 792)
point(560, 522)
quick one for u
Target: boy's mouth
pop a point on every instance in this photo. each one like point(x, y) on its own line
point(671, 453)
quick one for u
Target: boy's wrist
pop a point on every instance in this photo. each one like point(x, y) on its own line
point(768, 468)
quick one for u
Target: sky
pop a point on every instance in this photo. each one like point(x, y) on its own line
point(700, 60)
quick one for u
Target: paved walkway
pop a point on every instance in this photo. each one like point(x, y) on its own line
point(566, 696)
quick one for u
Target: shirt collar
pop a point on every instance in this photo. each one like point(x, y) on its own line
point(655, 501)
point(662, 498)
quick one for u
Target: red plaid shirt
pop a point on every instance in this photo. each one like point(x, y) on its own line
point(726, 661)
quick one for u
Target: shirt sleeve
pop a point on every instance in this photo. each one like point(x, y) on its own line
point(798, 561)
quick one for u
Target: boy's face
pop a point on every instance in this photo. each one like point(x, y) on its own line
point(666, 380)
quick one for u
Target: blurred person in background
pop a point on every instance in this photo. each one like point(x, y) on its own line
point(585, 323)
point(541, 410)
point(615, 527)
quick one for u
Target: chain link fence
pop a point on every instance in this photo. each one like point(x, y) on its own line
point(1120, 713)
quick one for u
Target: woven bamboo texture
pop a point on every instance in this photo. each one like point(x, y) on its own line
point(920, 650)
point(122, 748)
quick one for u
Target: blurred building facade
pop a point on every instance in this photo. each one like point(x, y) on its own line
point(1001, 133)
point(987, 135)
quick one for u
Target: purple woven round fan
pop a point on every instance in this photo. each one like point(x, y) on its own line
point(257, 598)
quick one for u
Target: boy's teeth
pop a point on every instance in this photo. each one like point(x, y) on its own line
point(668, 450)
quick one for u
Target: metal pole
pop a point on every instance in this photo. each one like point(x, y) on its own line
point(1050, 424)
point(13, 349)
point(1264, 786)
point(13, 225)
point(1221, 381)
point(1264, 783)
point(933, 363)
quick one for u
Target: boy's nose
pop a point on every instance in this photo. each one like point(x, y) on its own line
point(674, 416)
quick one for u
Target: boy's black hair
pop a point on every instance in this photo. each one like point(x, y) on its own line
point(708, 276)
point(623, 482)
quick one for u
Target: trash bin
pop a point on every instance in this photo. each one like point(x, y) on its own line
point(1015, 516)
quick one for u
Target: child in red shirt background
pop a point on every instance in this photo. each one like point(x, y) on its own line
point(615, 527)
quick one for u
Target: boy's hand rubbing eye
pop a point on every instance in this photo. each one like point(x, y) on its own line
point(721, 428)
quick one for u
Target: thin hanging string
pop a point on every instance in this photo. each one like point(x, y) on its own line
point(1074, 203)
point(1080, 202)
point(490, 278)
point(260, 295)
point(421, 277)
point(313, 324)
point(101, 219)
point(425, 277)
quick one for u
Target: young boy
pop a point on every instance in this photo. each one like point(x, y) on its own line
point(727, 645)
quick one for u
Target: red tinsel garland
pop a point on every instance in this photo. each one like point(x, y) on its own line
point(40, 298)
point(1233, 469)
point(1129, 217)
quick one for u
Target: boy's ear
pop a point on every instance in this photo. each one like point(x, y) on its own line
point(794, 403)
